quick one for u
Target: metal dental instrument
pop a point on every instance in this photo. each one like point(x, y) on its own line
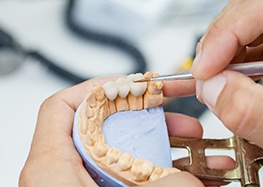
point(248, 69)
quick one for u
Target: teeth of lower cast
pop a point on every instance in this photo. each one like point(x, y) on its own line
point(100, 149)
point(141, 169)
point(125, 161)
point(123, 86)
point(113, 155)
point(159, 172)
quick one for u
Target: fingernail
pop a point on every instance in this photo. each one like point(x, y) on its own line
point(196, 60)
point(198, 87)
point(212, 88)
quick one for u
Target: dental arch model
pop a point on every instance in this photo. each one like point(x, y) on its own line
point(103, 101)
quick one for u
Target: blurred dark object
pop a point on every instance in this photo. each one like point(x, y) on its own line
point(11, 54)
point(186, 105)
point(104, 38)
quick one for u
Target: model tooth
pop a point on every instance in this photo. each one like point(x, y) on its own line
point(91, 100)
point(113, 155)
point(100, 149)
point(87, 108)
point(155, 88)
point(91, 127)
point(111, 90)
point(172, 170)
point(112, 107)
point(156, 174)
point(102, 138)
point(98, 92)
point(165, 172)
point(83, 126)
point(89, 139)
point(123, 87)
point(137, 89)
point(135, 103)
point(125, 161)
point(141, 169)
point(121, 104)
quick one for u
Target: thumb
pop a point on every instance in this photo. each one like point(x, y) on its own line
point(237, 101)
point(179, 179)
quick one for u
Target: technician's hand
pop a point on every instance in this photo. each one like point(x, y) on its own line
point(54, 161)
point(236, 35)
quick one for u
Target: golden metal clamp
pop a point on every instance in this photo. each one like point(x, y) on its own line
point(248, 157)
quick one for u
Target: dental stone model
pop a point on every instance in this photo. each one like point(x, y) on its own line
point(120, 132)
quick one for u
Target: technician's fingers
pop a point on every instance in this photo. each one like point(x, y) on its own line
point(179, 88)
point(180, 179)
point(180, 125)
point(228, 6)
point(53, 154)
point(237, 101)
point(239, 26)
point(213, 162)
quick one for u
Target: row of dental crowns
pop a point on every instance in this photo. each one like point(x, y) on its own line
point(115, 96)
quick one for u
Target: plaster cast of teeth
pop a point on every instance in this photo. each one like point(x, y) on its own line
point(123, 87)
point(111, 90)
point(137, 89)
point(123, 166)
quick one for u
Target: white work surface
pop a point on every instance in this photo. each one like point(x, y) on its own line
point(40, 25)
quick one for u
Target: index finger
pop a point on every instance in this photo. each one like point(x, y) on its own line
point(239, 26)
point(178, 88)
